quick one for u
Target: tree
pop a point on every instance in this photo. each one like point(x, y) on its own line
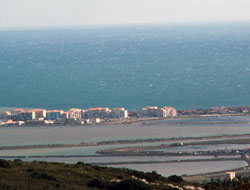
point(4, 164)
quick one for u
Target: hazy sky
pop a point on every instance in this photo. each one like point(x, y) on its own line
point(19, 13)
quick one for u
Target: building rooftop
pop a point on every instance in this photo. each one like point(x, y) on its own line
point(168, 107)
point(99, 109)
point(18, 109)
point(152, 107)
point(118, 109)
point(10, 122)
point(34, 110)
point(74, 109)
point(54, 111)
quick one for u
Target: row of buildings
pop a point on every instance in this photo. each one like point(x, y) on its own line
point(74, 116)
point(153, 111)
point(78, 116)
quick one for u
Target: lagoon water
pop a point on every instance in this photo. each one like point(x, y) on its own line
point(188, 168)
point(186, 66)
point(77, 134)
point(205, 148)
point(13, 136)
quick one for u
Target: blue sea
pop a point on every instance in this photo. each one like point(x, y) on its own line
point(185, 66)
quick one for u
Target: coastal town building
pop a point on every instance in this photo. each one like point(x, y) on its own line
point(170, 111)
point(230, 175)
point(54, 114)
point(39, 113)
point(26, 115)
point(98, 113)
point(87, 121)
point(17, 111)
point(5, 116)
point(23, 115)
point(223, 109)
point(13, 123)
point(160, 113)
point(65, 115)
point(214, 110)
point(149, 111)
point(10, 122)
point(153, 111)
point(97, 120)
point(75, 113)
point(84, 114)
point(119, 113)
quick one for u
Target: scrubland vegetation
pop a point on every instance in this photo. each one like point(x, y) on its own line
point(43, 175)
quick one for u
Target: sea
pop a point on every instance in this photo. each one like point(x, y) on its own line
point(186, 66)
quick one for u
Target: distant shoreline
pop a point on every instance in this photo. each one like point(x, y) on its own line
point(116, 116)
point(142, 121)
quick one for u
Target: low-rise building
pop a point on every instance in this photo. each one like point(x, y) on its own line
point(23, 115)
point(17, 111)
point(97, 120)
point(87, 121)
point(98, 113)
point(153, 111)
point(214, 110)
point(26, 115)
point(160, 113)
point(230, 175)
point(54, 114)
point(13, 123)
point(40, 113)
point(149, 111)
point(84, 114)
point(119, 113)
point(170, 111)
point(5, 116)
point(65, 115)
point(10, 123)
point(75, 113)
point(223, 109)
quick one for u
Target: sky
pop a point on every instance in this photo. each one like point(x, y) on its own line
point(36, 13)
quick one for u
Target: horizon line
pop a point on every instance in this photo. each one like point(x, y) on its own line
point(92, 26)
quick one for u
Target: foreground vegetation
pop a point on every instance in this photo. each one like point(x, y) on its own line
point(42, 175)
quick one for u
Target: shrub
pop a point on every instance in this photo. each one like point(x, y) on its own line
point(149, 176)
point(4, 164)
point(152, 176)
point(175, 179)
point(79, 164)
point(131, 184)
point(42, 176)
point(18, 162)
point(99, 183)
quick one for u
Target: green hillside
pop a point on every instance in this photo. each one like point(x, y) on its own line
point(42, 175)
point(19, 175)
